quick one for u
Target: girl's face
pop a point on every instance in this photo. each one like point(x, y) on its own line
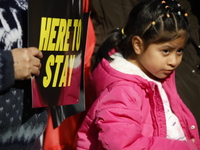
point(159, 60)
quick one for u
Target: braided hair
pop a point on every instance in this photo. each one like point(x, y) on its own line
point(154, 21)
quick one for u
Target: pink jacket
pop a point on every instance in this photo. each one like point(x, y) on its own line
point(129, 115)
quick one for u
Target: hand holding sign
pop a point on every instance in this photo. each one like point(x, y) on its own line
point(26, 62)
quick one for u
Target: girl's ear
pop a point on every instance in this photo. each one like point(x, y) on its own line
point(137, 44)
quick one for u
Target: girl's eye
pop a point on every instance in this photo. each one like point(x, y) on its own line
point(165, 51)
point(180, 51)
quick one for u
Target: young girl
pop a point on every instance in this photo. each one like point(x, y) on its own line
point(138, 107)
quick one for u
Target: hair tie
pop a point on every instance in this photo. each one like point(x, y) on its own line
point(153, 23)
point(122, 31)
point(123, 34)
point(167, 15)
point(186, 14)
point(163, 2)
point(179, 13)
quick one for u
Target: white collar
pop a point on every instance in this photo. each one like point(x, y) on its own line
point(122, 65)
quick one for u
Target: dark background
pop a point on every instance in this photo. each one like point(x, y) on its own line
point(195, 4)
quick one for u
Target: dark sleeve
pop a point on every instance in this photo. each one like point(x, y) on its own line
point(6, 70)
point(188, 73)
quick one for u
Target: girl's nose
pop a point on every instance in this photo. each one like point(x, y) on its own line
point(174, 60)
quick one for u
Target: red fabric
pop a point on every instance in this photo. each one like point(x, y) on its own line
point(64, 137)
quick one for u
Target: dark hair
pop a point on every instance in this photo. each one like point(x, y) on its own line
point(154, 21)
